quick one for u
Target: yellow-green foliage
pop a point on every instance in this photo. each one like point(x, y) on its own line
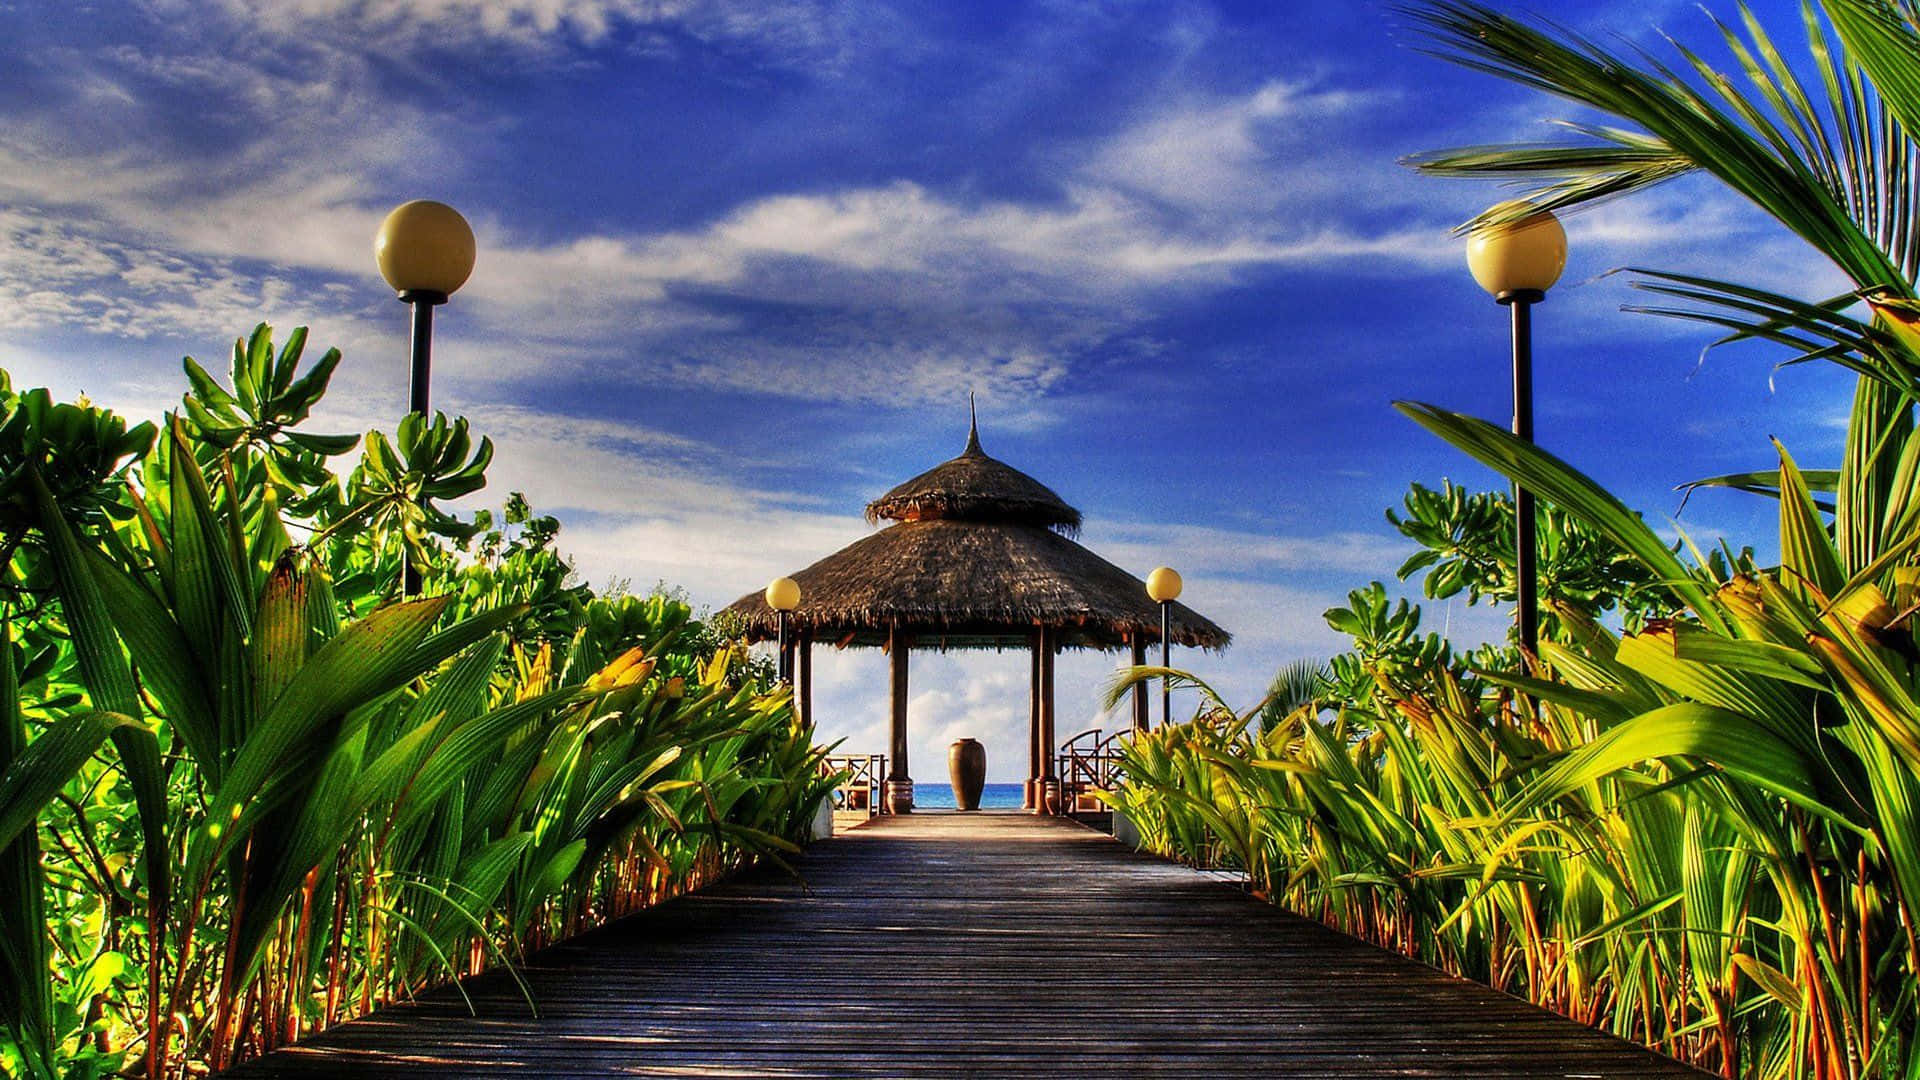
point(1702, 837)
point(312, 805)
point(1704, 834)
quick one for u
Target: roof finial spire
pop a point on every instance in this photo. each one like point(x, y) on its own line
point(973, 428)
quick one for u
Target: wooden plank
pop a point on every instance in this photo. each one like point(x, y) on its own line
point(1012, 945)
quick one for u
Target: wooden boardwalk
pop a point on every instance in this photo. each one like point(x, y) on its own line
point(966, 945)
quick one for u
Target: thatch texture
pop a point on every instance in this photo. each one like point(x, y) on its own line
point(980, 558)
point(975, 487)
point(972, 584)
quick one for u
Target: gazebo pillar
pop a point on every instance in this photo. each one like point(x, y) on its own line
point(1141, 715)
point(1049, 779)
point(899, 781)
point(1030, 798)
point(803, 676)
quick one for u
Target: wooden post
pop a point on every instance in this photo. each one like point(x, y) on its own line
point(899, 781)
point(1141, 715)
point(803, 676)
point(1030, 799)
point(1049, 779)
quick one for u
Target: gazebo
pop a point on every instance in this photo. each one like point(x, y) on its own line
point(980, 556)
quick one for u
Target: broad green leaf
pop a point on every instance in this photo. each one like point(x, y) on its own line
point(1762, 658)
point(366, 660)
point(38, 773)
point(109, 683)
point(1563, 486)
point(26, 990)
point(1724, 738)
point(1771, 980)
point(282, 637)
point(1806, 551)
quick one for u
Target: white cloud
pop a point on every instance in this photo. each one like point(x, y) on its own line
point(934, 291)
point(55, 274)
point(1239, 156)
point(1212, 549)
point(813, 35)
point(938, 291)
point(891, 291)
point(1096, 244)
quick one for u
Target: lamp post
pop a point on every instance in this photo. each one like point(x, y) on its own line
point(425, 251)
point(783, 595)
point(1517, 261)
point(1163, 588)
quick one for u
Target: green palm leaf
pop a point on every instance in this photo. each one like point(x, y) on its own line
point(38, 773)
point(26, 999)
point(1803, 165)
point(109, 682)
point(365, 660)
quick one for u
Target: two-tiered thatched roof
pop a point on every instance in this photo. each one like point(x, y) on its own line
point(979, 556)
point(975, 487)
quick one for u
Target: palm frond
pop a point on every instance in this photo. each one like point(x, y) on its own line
point(1823, 168)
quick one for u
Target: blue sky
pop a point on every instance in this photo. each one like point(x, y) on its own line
point(741, 264)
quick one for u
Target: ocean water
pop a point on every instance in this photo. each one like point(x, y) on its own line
point(939, 796)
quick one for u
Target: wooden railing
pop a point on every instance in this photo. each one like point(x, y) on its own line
point(1088, 762)
point(863, 786)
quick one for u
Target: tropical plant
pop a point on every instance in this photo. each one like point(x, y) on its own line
point(1802, 652)
point(1297, 685)
point(269, 400)
point(321, 800)
point(1699, 833)
point(1467, 547)
point(75, 450)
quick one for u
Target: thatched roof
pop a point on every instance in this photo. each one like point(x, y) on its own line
point(970, 584)
point(975, 487)
point(977, 559)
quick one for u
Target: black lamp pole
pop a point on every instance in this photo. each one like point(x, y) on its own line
point(1166, 661)
point(1516, 252)
point(786, 662)
point(1526, 553)
point(422, 302)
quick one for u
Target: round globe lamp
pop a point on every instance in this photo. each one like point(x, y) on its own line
point(1163, 588)
point(783, 595)
point(425, 247)
point(1517, 255)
